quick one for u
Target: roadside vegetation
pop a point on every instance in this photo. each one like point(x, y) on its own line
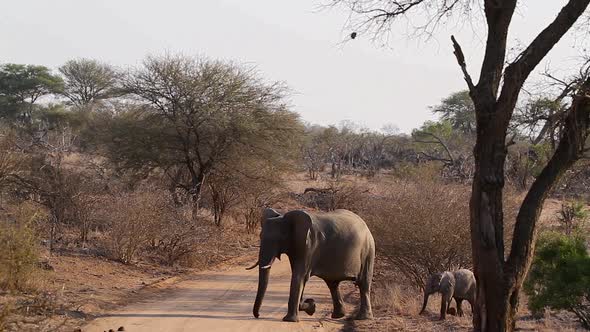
point(138, 175)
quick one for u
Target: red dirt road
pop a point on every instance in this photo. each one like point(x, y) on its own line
point(222, 301)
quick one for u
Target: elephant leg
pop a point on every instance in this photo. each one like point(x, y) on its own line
point(295, 293)
point(459, 310)
point(364, 283)
point(445, 302)
point(308, 305)
point(471, 304)
point(338, 311)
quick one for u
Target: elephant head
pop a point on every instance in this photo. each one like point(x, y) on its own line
point(432, 286)
point(288, 234)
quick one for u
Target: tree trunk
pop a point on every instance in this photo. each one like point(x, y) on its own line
point(487, 227)
point(195, 194)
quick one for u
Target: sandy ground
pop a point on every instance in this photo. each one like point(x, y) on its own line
point(222, 301)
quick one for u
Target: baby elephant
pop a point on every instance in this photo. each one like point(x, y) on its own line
point(459, 285)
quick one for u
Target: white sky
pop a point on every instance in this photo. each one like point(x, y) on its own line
point(289, 41)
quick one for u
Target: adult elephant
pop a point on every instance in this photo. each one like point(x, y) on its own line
point(334, 246)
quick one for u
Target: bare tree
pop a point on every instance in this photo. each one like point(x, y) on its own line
point(86, 81)
point(500, 275)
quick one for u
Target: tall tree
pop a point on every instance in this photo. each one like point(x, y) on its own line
point(87, 80)
point(459, 110)
point(195, 115)
point(22, 85)
point(500, 275)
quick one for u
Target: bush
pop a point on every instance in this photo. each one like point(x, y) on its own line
point(5, 309)
point(335, 194)
point(18, 248)
point(131, 219)
point(423, 227)
point(147, 220)
point(560, 276)
point(572, 214)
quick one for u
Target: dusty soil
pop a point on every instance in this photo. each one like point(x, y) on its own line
point(221, 300)
point(80, 287)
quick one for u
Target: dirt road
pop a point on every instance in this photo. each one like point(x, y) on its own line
point(222, 301)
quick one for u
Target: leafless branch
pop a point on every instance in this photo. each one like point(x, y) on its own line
point(461, 61)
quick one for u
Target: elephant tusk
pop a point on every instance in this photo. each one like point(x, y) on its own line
point(265, 267)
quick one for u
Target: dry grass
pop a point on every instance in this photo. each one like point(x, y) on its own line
point(396, 306)
point(19, 248)
point(5, 309)
point(417, 218)
point(422, 228)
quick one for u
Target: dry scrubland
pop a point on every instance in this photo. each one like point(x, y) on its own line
point(139, 241)
point(105, 197)
point(420, 227)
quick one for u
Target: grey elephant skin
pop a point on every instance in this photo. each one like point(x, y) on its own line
point(459, 285)
point(333, 246)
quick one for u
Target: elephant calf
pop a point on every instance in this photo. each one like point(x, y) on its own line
point(459, 285)
point(334, 246)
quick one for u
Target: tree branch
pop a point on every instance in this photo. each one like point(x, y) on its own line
point(461, 61)
point(569, 150)
point(438, 141)
point(516, 73)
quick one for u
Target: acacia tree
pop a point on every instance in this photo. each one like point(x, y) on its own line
point(86, 81)
point(500, 275)
point(22, 85)
point(194, 115)
point(458, 109)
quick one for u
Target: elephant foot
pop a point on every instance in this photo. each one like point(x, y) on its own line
point(338, 313)
point(290, 318)
point(363, 314)
point(309, 306)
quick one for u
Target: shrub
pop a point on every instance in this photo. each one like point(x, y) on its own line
point(254, 197)
point(560, 276)
point(335, 194)
point(18, 248)
point(423, 227)
point(177, 237)
point(131, 218)
point(147, 220)
point(572, 214)
point(5, 310)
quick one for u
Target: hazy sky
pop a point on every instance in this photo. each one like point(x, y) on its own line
point(289, 41)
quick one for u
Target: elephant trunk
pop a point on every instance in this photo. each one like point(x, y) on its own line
point(426, 295)
point(253, 266)
point(263, 275)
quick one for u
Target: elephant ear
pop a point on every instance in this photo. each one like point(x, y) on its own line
point(270, 213)
point(434, 282)
point(300, 225)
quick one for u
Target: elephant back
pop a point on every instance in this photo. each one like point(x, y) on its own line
point(465, 283)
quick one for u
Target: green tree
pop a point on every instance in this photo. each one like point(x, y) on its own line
point(197, 115)
point(22, 85)
point(459, 110)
